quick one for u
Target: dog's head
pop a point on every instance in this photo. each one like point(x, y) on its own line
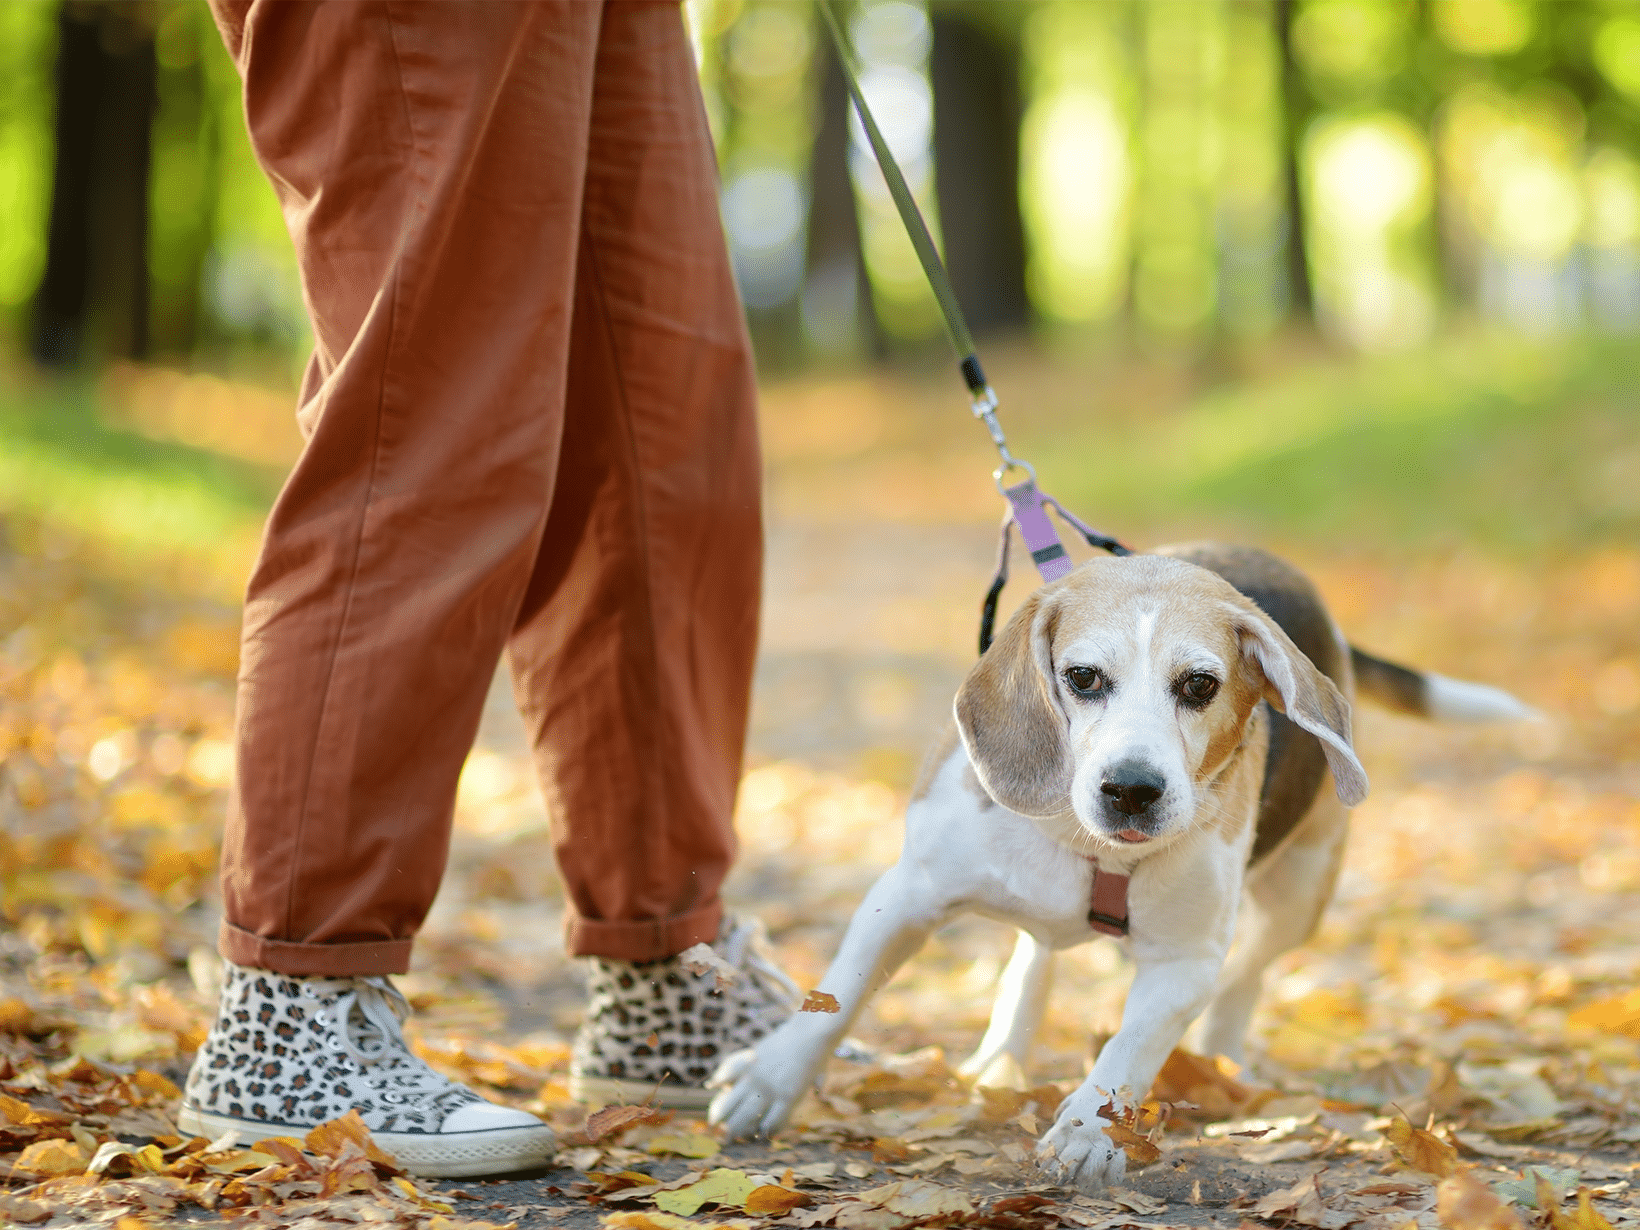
point(1122, 691)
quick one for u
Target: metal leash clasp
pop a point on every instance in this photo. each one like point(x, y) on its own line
point(985, 410)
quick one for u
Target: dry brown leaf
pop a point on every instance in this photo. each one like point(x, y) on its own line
point(1207, 1083)
point(17, 1017)
point(22, 1211)
point(1463, 1202)
point(1140, 1151)
point(889, 1089)
point(857, 1216)
point(817, 1215)
point(330, 1139)
point(917, 1198)
point(52, 1157)
point(772, 1201)
point(611, 1121)
point(1138, 1202)
point(645, 1219)
point(1029, 1203)
point(820, 1001)
point(618, 1180)
point(286, 1150)
point(1303, 1203)
point(1421, 1150)
point(889, 1151)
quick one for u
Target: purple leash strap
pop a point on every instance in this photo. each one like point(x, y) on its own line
point(1027, 509)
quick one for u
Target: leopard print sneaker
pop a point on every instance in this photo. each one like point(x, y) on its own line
point(287, 1053)
point(655, 1031)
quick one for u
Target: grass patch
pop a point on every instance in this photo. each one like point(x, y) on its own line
point(1507, 444)
point(69, 483)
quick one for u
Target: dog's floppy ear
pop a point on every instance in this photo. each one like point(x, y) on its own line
point(1009, 716)
point(1305, 695)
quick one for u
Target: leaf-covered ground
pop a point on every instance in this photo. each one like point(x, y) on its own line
point(1466, 1024)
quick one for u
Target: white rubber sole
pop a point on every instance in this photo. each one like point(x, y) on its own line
point(432, 1155)
point(596, 1091)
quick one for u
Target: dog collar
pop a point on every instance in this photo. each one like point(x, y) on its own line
point(1108, 909)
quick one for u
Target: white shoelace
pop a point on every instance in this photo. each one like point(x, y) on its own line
point(369, 1016)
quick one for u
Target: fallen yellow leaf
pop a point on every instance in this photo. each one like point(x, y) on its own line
point(330, 1138)
point(771, 1201)
point(284, 1149)
point(1463, 1202)
point(15, 1110)
point(52, 1157)
point(1618, 1014)
point(683, 1144)
point(720, 1186)
point(1421, 1150)
point(153, 1082)
point(645, 1220)
point(1587, 1216)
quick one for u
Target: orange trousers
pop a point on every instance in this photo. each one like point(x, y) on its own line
point(530, 422)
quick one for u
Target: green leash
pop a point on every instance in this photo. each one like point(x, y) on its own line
point(1027, 504)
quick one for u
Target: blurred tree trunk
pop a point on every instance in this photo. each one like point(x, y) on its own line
point(93, 296)
point(837, 308)
point(1299, 109)
point(977, 115)
point(185, 178)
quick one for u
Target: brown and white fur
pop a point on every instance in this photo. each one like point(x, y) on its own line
point(1131, 712)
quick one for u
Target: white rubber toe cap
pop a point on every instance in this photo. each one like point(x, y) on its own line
point(488, 1117)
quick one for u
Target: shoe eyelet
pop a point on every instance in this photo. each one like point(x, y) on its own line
point(394, 1098)
point(333, 1042)
point(310, 993)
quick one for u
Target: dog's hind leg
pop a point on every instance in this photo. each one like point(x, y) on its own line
point(1281, 904)
point(1022, 997)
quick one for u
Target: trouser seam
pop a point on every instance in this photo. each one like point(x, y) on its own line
point(363, 516)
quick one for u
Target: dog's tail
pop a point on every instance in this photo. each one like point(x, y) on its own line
point(1428, 695)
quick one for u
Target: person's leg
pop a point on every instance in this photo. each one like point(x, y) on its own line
point(633, 654)
point(632, 657)
point(429, 159)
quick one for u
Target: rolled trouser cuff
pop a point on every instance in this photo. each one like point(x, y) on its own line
point(324, 960)
point(646, 939)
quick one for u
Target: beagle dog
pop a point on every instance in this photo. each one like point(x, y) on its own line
point(1170, 718)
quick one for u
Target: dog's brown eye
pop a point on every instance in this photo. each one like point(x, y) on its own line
point(1085, 680)
point(1198, 689)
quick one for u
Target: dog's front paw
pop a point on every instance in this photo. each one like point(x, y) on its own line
point(757, 1093)
point(1078, 1153)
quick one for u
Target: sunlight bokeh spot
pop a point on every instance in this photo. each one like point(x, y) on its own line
point(1617, 52)
point(1484, 27)
point(1371, 193)
point(1076, 196)
point(1354, 43)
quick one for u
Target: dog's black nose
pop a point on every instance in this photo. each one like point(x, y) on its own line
point(1132, 788)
